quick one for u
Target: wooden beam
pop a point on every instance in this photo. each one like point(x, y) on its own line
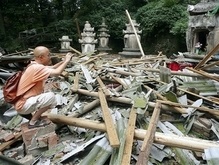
point(149, 138)
point(205, 74)
point(203, 109)
point(124, 100)
point(90, 60)
point(184, 142)
point(76, 83)
point(74, 50)
point(188, 92)
point(179, 110)
point(110, 126)
point(210, 65)
point(129, 137)
point(205, 59)
point(118, 80)
point(103, 87)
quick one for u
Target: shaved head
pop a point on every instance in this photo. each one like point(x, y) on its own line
point(42, 55)
point(40, 50)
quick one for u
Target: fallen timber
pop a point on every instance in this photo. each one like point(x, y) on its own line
point(184, 142)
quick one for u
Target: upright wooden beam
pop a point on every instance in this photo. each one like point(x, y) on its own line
point(149, 138)
point(110, 126)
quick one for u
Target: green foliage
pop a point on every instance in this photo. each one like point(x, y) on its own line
point(156, 18)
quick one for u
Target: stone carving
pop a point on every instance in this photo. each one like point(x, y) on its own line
point(88, 40)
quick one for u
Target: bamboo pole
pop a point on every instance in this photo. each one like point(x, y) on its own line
point(184, 142)
point(136, 35)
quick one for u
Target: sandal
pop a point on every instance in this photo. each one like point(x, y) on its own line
point(38, 123)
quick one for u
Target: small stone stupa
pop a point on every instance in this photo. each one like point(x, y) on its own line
point(65, 43)
point(88, 40)
point(103, 37)
point(131, 48)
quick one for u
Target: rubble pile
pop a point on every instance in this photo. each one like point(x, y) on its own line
point(114, 110)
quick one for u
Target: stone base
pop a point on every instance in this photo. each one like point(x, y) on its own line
point(64, 50)
point(101, 49)
point(127, 52)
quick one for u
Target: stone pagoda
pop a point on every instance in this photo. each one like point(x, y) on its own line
point(103, 37)
point(65, 43)
point(131, 48)
point(88, 40)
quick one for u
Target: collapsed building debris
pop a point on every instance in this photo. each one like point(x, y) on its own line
point(113, 110)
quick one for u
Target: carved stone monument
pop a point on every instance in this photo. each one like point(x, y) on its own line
point(65, 43)
point(88, 40)
point(203, 27)
point(131, 48)
point(103, 37)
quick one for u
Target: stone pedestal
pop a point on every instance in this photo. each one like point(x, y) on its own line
point(65, 43)
point(103, 38)
point(131, 48)
point(88, 40)
point(40, 139)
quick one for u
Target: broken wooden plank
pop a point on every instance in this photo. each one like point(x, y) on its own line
point(103, 87)
point(185, 142)
point(149, 138)
point(129, 137)
point(110, 126)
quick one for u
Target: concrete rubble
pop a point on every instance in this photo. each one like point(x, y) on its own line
point(115, 110)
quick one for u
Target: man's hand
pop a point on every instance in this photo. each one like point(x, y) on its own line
point(68, 57)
